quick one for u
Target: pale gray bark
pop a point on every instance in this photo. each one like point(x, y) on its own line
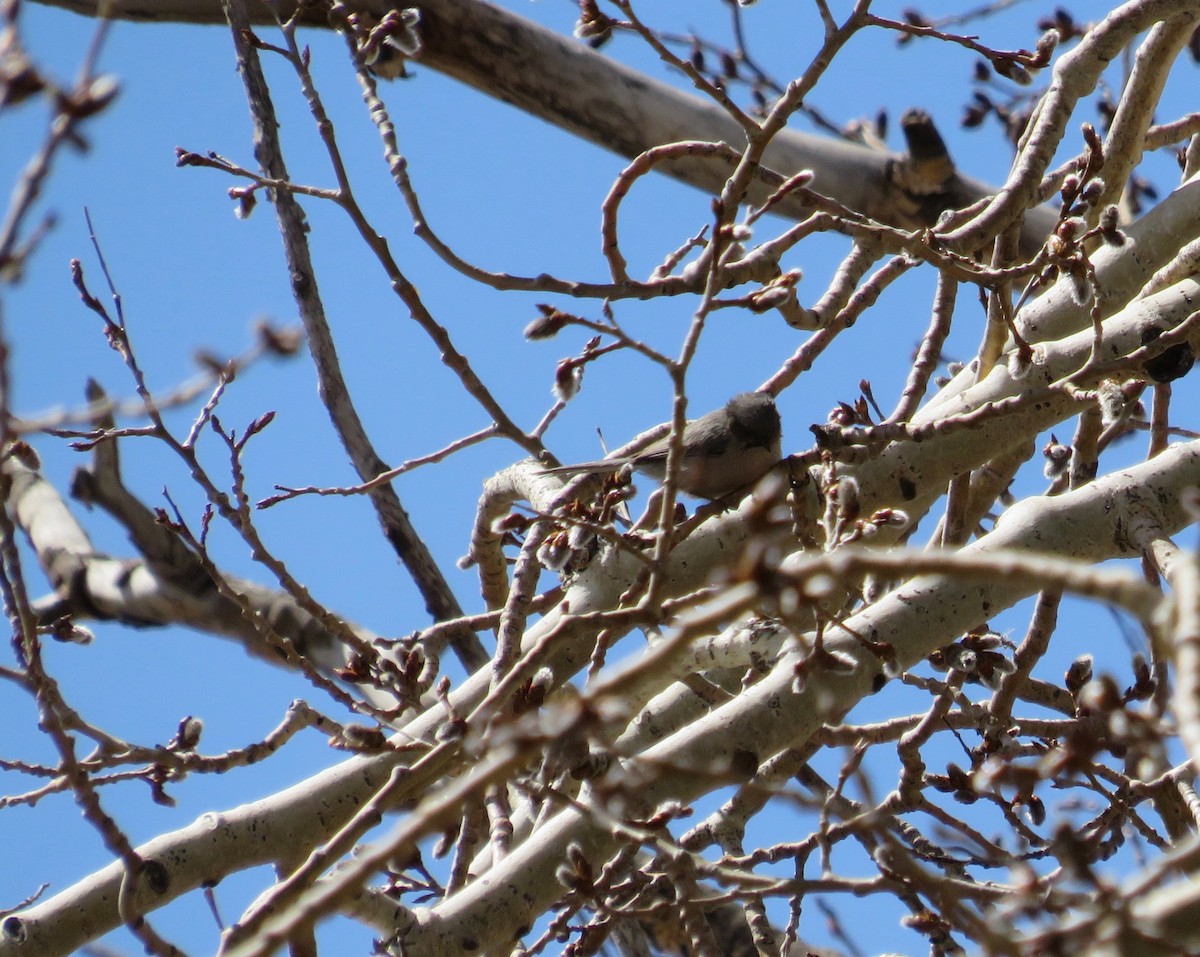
point(666, 730)
point(598, 99)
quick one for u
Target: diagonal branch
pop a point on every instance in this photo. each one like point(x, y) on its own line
point(611, 105)
point(167, 586)
point(335, 393)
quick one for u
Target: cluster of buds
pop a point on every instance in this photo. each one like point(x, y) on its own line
point(568, 374)
point(1105, 724)
point(593, 26)
point(581, 525)
point(1058, 458)
point(385, 45)
point(407, 671)
point(1018, 66)
point(842, 520)
point(1065, 252)
point(978, 656)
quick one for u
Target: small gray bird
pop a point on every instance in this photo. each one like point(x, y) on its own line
point(723, 451)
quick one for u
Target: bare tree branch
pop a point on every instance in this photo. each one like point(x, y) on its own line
point(594, 97)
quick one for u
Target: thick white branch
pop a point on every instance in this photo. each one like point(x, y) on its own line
point(916, 619)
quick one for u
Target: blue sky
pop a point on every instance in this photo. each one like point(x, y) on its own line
point(508, 192)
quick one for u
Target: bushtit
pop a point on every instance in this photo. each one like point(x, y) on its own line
point(723, 451)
